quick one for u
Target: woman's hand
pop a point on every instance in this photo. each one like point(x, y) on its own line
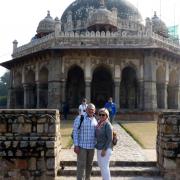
point(103, 152)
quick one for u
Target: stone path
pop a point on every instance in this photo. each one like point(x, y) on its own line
point(126, 149)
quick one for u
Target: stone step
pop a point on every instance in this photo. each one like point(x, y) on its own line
point(114, 178)
point(115, 163)
point(115, 171)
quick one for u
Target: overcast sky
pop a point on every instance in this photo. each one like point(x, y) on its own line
point(20, 18)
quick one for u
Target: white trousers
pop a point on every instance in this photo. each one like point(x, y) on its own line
point(103, 163)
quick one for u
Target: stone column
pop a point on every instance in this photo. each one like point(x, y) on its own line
point(88, 90)
point(55, 86)
point(117, 93)
point(162, 88)
point(176, 97)
point(38, 94)
point(141, 95)
point(150, 98)
point(11, 95)
point(29, 96)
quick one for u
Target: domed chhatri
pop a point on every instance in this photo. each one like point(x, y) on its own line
point(80, 10)
point(46, 25)
point(102, 19)
point(159, 26)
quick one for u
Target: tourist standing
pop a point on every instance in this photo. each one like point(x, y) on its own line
point(104, 143)
point(84, 142)
point(82, 107)
point(111, 106)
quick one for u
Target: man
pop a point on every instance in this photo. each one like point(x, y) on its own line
point(82, 107)
point(111, 108)
point(84, 142)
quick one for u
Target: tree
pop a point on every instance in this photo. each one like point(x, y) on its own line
point(4, 84)
point(4, 88)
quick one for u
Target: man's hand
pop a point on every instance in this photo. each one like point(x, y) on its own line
point(103, 152)
point(77, 150)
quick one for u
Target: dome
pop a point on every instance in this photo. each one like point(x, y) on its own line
point(81, 8)
point(159, 26)
point(46, 25)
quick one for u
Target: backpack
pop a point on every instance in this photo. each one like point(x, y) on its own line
point(114, 139)
point(81, 120)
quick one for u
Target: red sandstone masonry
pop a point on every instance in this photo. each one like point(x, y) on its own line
point(29, 144)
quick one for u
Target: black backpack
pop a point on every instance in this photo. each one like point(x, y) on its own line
point(81, 120)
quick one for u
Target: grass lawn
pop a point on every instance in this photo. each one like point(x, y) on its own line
point(66, 129)
point(143, 132)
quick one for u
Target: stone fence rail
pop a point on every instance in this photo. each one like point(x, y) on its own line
point(29, 144)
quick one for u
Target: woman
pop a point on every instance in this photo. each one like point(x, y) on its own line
point(104, 143)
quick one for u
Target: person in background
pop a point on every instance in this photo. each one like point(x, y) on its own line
point(104, 137)
point(111, 107)
point(84, 142)
point(82, 107)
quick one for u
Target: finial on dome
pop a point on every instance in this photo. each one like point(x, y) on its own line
point(48, 13)
point(155, 14)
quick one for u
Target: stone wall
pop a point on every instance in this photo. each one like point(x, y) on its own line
point(29, 144)
point(168, 145)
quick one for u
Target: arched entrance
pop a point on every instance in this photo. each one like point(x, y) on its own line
point(102, 86)
point(75, 86)
point(129, 89)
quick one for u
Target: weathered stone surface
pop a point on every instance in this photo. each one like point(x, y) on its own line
point(30, 147)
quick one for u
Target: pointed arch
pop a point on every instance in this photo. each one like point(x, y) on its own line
point(102, 86)
point(129, 89)
point(75, 86)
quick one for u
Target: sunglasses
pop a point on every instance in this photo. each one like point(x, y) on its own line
point(102, 115)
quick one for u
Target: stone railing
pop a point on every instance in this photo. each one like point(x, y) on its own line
point(168, 145)
point(29, 144)
point(125, 39)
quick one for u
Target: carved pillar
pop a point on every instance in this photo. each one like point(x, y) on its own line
point(117, 93)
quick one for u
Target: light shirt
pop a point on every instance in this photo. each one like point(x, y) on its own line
point(82, 109)
point(85, 136)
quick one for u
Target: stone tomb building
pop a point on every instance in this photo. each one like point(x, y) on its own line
point(96, 50)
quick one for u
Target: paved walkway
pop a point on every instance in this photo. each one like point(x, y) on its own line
point(126, 149)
